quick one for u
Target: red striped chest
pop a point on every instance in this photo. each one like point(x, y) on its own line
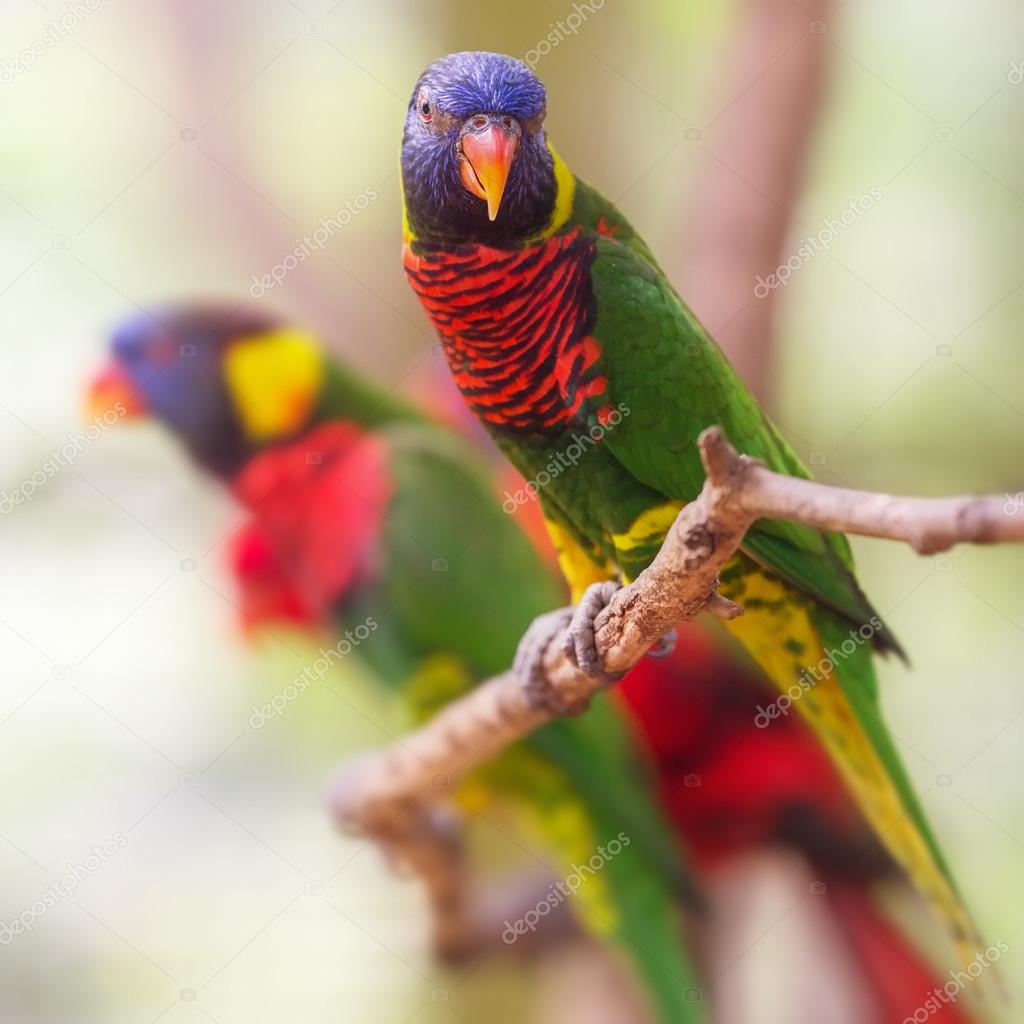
point(515, 326)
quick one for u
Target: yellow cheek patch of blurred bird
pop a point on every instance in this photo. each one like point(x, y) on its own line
point(274, 381)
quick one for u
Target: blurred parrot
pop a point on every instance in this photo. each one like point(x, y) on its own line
point(564, 336)
point(362, 513)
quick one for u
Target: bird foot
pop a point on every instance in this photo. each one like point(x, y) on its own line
point(581, 643)
point(580, 647)
point(665, 647)
point(529, 660)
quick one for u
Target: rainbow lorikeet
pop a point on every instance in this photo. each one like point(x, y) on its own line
point(595, 379)
point(364, 512)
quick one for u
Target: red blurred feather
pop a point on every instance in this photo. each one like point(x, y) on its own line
point(731, 787)
point(728, 784)
point(317, 506)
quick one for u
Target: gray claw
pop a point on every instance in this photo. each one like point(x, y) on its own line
point(528, 664)
point(581, 644)
point(580, 647)
point(666, 645)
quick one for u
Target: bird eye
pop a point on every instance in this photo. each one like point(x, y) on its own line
point(425, 112)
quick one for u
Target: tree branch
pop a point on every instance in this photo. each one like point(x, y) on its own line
point(392, 795)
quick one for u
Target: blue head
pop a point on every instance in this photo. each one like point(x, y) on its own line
point(224, 382)
point(476, 166)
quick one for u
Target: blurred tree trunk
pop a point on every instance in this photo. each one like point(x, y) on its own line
point(757, 144)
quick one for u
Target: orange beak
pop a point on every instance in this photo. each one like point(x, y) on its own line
point(488, 154)
point(112, 391)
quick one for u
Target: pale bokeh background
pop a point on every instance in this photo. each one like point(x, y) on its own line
point(174, 149)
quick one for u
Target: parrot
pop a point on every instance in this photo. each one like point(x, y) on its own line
point(595, 379)
point(364, 513)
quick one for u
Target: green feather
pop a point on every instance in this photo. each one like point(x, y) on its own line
point(661, 363)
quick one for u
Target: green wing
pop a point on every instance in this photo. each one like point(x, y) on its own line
point(458, 574)
point(661, 364)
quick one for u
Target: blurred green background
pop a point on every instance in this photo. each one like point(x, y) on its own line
point(166, 150)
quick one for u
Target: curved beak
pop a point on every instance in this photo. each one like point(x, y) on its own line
point(488, 152)
point(111, 390)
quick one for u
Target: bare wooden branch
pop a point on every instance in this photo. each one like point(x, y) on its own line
point(391, 795)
